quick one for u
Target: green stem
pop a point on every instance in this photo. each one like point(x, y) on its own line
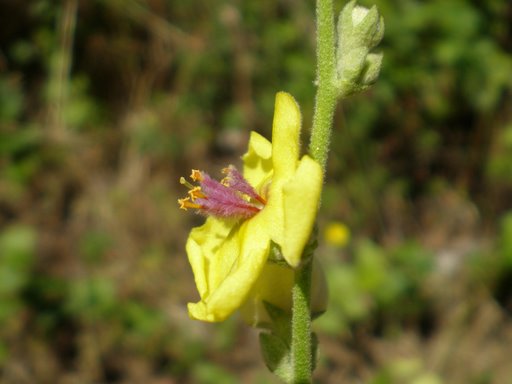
point(302, 356)
point(325, 103)
point(327, 94)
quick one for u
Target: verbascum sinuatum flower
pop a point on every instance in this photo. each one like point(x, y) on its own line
point(275, 201)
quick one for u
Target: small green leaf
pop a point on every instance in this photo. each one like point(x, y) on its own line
point(277, 356)
point(281, 321)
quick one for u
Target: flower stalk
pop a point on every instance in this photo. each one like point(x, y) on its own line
point(325, 104)
point(302, 349)
point(344, 66)
point(326, 94)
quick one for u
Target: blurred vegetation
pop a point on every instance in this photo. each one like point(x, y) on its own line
point(105, 103)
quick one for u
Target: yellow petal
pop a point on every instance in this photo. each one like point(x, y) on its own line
point(199, 311)
point(274, 286)
point(202, 244)
point(258, 160)
point(285, 135)
point(337, 234)
point(300, 202)
point(226, 267)
point(273, 212)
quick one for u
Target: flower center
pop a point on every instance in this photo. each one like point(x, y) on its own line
point(232, 197)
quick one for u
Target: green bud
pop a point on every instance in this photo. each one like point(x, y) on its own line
point(359, 30)
point(372, 68)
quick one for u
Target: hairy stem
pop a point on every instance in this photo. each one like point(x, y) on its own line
point(327, 94)
point(325, 104)
point(302, 357)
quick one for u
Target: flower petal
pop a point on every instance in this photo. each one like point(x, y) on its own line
point(228, 266)
point(285, 135)
point(258, 160)
point(274, 286)
point(202, 244)
point(300, 199)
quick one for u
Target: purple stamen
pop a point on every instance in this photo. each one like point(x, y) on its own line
point(225, 200)
point(235, 180)
point(227, 209)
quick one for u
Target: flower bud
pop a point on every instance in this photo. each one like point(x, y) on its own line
point(359, 30)
point(372, 68)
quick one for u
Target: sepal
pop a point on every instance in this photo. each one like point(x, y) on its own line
point(275, 344)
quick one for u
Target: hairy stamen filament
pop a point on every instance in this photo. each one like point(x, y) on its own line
point(232, 197)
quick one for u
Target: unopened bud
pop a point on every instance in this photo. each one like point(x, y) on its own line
point(359, 30)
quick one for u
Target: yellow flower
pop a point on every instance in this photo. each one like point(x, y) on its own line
point(337, 234)
point(276, 200)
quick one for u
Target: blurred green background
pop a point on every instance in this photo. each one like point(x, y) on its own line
point(104, 104)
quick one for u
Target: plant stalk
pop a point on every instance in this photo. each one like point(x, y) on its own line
point(325, 103)
point(327, 94)
point(302, 356)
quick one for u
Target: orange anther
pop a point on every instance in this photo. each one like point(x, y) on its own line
point(196, 193)
point(196, 175)
point(186, 203)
